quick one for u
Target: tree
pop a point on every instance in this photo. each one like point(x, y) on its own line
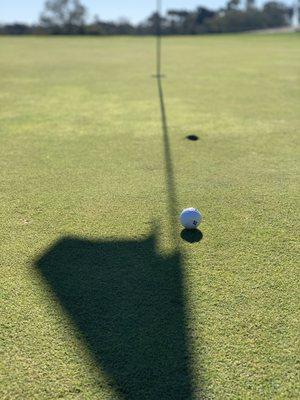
point(233, 4)
point(276, 14)
point(250, 4)
point(16, 29)
point(203, 13)
point(64, 16)
point(68, 17)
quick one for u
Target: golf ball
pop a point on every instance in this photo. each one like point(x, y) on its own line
point(190, 218)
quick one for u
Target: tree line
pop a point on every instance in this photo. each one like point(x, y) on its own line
point(69, 17)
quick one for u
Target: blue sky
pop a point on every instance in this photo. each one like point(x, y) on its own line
point(134, 10)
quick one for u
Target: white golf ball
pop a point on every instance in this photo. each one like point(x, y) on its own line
point(190, 218)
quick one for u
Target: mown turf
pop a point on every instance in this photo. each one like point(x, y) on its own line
point(85, 190)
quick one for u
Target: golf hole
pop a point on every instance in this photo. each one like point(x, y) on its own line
point(193, 138)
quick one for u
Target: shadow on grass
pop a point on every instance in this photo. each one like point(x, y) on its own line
point(169, 168)
point(128, 302)
point(191, 235)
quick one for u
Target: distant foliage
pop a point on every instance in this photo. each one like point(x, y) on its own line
point(63, 17)
point(68, 17)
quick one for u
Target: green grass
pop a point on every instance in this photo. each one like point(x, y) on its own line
point(99, 300)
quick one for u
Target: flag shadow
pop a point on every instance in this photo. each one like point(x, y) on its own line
point(128, 302)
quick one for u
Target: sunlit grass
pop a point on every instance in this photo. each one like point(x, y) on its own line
point(81, 154)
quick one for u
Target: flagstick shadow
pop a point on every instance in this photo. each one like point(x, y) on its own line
point(128, 302)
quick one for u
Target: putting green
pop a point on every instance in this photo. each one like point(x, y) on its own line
point(102, 298)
